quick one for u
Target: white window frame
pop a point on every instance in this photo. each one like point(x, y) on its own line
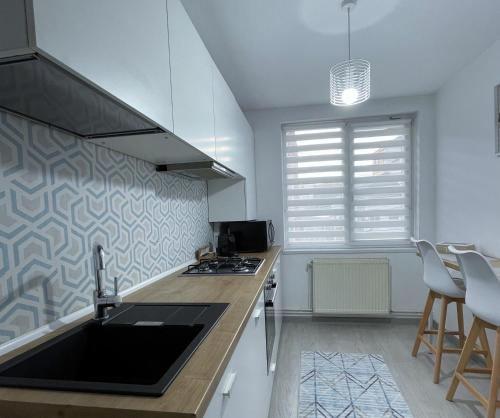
point(350, 245)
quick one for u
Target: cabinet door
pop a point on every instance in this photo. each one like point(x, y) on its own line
point(226, 200)
point(242, 152)
point(120, 45)
point(235, 148)
point(192, 82)
point(279, 298)
point(249, 171)
point(278, 307)
point(245, 377)
point(227, 124)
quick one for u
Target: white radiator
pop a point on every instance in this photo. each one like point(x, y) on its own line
point(351, 286)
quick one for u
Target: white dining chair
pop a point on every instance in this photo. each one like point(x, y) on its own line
point(441, 286)
point(483, 299)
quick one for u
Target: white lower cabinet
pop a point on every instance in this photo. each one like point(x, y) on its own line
point(246, 387)
point(278, 309)
point(278, 305)
point(243, 391)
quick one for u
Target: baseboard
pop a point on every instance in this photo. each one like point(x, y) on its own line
point(297, 313)
point(74, 316)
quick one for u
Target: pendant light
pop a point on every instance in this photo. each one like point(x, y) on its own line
point(349, 80)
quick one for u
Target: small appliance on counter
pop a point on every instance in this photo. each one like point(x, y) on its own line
point(226, 243)
point(206, 252)
point(249, 236)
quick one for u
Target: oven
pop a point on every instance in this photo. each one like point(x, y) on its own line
point(270, 294)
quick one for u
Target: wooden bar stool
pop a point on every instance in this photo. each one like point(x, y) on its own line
point(441, 286)
point(483, 299)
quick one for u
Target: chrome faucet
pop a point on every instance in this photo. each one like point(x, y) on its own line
point(102, 298)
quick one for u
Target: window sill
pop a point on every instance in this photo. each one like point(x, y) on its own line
point(359, 250)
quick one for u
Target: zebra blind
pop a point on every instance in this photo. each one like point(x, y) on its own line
point(347, 184)
point(381, 181)
point(315, 185)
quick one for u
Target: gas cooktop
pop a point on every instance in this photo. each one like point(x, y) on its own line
point(234, 266)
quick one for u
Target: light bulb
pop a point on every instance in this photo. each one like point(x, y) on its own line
point(350, 95)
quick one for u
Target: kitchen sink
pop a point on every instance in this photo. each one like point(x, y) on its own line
point(139, 350)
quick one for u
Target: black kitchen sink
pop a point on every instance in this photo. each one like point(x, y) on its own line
point(139, 350)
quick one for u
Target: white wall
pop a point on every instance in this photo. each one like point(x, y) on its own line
point(408, 292)
point(468, 172)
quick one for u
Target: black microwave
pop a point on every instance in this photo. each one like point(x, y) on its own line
point(250, 236)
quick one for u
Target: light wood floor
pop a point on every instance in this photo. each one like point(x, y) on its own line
point(391, 339)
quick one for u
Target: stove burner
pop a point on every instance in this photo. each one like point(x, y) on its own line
point(226, 265)
point(204, 267)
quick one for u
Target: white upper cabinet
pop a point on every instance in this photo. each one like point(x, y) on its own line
point(247, 162)
point(120, 45)
point(149, 56)
point(232, 200)
point(227, 200)
point(192, 82)
point(228, 138)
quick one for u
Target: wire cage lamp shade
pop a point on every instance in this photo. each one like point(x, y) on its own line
point(350, 82)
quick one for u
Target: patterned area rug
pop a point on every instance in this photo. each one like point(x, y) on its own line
point(340, 385)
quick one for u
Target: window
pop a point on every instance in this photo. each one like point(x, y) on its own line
point(348, 183)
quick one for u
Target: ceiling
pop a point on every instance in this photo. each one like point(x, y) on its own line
point(276, 53)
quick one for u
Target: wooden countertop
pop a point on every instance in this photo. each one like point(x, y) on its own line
point(192, 390)
point(450, 261)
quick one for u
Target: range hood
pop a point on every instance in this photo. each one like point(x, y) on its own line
point(37, 88)
point(62, 65)
point(204, 169)
point(36, 85)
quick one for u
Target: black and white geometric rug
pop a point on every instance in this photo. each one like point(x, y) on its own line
point(341, 385)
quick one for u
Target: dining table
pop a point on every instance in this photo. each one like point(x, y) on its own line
point(450, 261)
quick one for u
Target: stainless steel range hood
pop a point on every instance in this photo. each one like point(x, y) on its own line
point(37, 88)
point(36, 85)
point(63, 65)
point(204, 169)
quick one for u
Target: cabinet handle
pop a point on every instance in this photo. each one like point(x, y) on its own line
point(257, 313)
point(226, 392)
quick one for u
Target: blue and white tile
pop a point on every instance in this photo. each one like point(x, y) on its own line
point(59, 196)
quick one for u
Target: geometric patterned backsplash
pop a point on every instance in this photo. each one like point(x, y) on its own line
point(58, 197)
